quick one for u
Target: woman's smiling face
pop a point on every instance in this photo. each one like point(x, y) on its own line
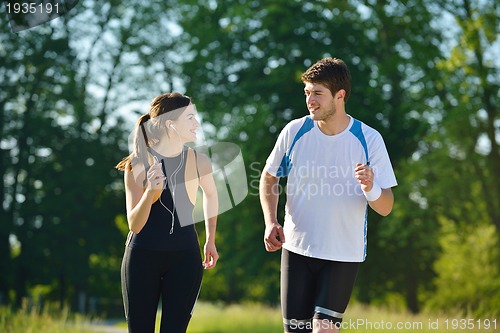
point(186, 125)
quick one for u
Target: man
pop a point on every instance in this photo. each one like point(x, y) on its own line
point(335, 167)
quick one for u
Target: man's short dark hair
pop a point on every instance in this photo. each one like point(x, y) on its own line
point(332, 73)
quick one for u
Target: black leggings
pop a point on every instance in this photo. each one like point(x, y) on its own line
point(146, 275)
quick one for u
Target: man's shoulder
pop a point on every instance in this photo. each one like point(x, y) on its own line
point(368, 131)
point(296, 124)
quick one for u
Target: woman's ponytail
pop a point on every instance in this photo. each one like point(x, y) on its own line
point(139, 145)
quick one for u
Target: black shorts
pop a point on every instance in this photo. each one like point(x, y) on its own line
point(314, 288)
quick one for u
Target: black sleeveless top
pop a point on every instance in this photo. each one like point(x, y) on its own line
point(158, 233)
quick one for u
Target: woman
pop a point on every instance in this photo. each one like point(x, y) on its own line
point(162, 256)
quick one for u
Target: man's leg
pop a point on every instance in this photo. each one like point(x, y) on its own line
point(335, 285)
point(297, 293)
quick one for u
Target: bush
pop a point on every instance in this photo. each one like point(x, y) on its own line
point(468, 278)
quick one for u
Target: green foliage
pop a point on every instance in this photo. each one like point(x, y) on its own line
point(468, 278)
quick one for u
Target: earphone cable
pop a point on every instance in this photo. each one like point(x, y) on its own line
point(173, 181)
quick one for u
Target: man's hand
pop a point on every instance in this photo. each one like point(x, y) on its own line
point(364, 175)
point(274, 237)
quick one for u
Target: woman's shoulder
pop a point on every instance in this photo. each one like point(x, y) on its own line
point(135, 172)
point(203, 162)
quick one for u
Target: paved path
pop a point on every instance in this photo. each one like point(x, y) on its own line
point(107, 327)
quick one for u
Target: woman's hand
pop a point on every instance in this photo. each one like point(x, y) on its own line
point(211, 255)
point(155, 176)
point(139, 201)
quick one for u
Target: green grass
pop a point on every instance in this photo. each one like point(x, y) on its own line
point(210, 318)
point(246, 318)
point(363, 319)
point(50, 319)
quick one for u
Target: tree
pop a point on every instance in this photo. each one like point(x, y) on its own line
point(469, 97)
point(471, 249)
point(457, 161)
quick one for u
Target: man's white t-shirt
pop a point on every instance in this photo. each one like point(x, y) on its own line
point(326, 211)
